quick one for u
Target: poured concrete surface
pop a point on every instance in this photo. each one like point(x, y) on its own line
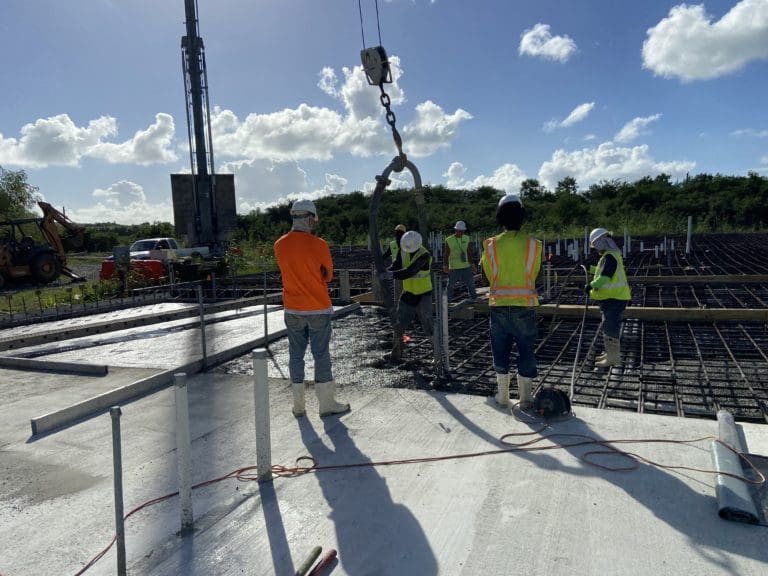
point(541, 512)
point(167, 345)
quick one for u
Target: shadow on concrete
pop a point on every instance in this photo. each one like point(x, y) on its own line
point(375, 534)
point(671, 500)
point(273, 520)
point(691, 513)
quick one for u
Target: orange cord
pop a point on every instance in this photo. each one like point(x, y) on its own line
point(242, 475)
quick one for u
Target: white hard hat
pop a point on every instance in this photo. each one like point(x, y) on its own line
point(510, 198)
point(411, 241)
point(460, 225)
point(595, 234)
point(303, 208)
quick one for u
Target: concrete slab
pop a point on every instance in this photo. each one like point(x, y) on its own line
point(224, 340)
point(535, 512)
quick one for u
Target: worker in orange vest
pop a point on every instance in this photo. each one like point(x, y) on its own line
point(511, 262)
point(306, 269)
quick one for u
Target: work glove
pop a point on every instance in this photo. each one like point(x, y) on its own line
point(587, 288)
point(386, 275)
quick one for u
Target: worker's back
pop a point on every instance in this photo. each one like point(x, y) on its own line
point(302, 257)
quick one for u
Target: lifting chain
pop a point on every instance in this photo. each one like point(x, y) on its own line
point(378, 73)
point(385, 101)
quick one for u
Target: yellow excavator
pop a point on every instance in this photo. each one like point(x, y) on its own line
point(35, 249)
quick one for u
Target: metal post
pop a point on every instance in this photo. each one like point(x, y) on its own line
point(202, 323)
point(440, 333)
point(445, 349)
point(586, 242)
point(688, 237)
point(344, 291)
point(626, 242)
point(266, 327)
point(261, 403)
point(377, 294)
point(183, 450)
point(549, 279)
point(117, 465)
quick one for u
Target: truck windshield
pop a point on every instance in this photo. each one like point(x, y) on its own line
point(143, 245)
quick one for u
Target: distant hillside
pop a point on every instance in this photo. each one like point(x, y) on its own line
point(649, 206)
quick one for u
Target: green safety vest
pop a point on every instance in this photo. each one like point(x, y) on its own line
point(394, 248)
point(617, 288)
point(457, 259)
point(511, 262)
point(421, 283)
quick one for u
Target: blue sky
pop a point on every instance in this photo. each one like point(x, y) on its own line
point(487, 92)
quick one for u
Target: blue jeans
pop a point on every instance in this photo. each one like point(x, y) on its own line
point(463, 275)
point(514, 325)
point(314, 329)
point(612, 310)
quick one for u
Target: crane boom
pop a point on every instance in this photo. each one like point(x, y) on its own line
point(198, 129)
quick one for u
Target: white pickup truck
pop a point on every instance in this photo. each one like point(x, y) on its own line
point(164, 249)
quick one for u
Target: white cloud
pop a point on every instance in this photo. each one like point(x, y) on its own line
point(506, 177)
point(590, 137)
point(432, 129)
point(123, 202)
point(634, 128)
point(318, 133)
point(307, 132)
point(607, 162)
point(58, 141)
point(539, 42)
point(577, 115)
point(689, 46)
point(262, 183)
point(750, 133)
point(150, 146)
point(454, 176)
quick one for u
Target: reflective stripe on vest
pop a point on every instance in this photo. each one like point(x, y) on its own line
point(617, 288)
point(522, 290)
point(457, 259)
point(421, 282)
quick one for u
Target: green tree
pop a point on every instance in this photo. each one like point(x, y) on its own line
point(17, 196)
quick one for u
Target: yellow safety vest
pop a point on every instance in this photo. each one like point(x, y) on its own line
point(512, 262)
point(394, 248)
point(457, 259)
point(617, 288)
point(421, 283)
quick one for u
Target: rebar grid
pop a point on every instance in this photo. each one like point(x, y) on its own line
point(679, 369)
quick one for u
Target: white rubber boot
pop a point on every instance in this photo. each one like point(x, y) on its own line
point(612, 353)
point(502, 392)
point(524, 386)
point(325, 397)
point(298, 399)
point(600, 357)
